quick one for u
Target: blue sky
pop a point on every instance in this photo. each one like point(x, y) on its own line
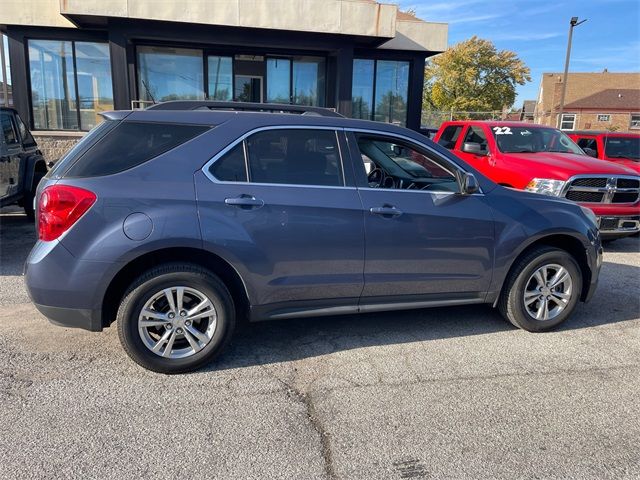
point(537, 31)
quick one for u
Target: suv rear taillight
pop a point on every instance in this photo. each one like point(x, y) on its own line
point(61, 206)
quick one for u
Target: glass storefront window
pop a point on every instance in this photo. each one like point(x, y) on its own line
point(390, 80)
point(278, 80)
point(95, 91)
point(220, 78)
point(170, 74)
point(392, 85)
point(308, 81)
point(362, 89)
point(68, 95)
point(6, 98)
point(53, 92)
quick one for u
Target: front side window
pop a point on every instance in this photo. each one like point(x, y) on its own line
point(591, 143)
point(533, 140)
point(477, 135)
point(70, 84)
point(380, 90)
point(635, 120)
point(450, 136)
point(295, 156)
point(394, 164)
point(170, 74)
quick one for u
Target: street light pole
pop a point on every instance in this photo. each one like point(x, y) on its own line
point(573, 23)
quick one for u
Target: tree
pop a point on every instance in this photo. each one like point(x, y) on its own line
point(473, 76)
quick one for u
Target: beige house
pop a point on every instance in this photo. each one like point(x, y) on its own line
point(594, 101)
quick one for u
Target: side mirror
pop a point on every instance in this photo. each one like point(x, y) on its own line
point(470, 184)
point(474, 148)
point(591, 152)
point(397, 150)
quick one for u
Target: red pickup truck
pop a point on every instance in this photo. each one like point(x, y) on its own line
point(544, 160)
point(622, 148)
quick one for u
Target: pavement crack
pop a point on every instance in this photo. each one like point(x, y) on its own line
point(306, 399)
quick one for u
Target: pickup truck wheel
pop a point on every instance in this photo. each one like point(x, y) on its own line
point(30, 194)
point(175, 318)
point(541, 290)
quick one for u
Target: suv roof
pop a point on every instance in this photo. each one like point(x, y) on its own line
point(245, 107)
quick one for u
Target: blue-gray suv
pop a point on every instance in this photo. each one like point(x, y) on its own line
point(178, 220)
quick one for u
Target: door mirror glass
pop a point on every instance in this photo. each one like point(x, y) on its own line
point(470, 184)
point(474, 148)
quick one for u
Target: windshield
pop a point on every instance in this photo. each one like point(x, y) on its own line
point(622, 147)
point(533, 140)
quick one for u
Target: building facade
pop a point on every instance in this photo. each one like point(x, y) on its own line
point(70, 60)
point(593, 101)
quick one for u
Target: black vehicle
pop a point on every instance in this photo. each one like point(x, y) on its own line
point(21, 163)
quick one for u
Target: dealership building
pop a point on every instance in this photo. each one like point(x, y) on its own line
point(65, 61)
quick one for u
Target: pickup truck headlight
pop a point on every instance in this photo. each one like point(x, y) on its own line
point(546, 186)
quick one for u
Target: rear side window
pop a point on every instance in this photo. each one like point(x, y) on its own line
point(130, 144)
point(295, 156)
point(450, 136)
point(231, 167)
point(283, 156)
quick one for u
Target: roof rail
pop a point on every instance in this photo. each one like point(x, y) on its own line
point(244, 107)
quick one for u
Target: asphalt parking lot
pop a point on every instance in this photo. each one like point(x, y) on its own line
point(443, 393)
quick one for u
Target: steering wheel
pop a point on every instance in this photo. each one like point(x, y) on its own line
point(376, 178)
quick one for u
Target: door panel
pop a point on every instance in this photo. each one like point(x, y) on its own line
point(436, 243)
point(301, 244)
point(423, 240)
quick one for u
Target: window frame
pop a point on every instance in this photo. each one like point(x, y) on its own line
point(374, 84)
point(339, 132)
point(573, 122)
point(81, 37)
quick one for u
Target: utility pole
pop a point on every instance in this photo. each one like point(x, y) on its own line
point(573, 23)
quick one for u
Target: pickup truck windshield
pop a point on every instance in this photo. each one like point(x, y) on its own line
point(622, 147)
point(533, 140)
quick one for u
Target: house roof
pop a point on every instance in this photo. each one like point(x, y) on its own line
point(611, 99)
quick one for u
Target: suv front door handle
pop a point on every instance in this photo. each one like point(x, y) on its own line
point(246, 202)
point(386, 211)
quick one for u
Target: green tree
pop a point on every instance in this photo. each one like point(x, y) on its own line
point(473, 76)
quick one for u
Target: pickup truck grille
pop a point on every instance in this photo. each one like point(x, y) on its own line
point(603, 189)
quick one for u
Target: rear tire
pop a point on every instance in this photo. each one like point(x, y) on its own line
point(178, 331)
point(30, 194)
point(530, 300)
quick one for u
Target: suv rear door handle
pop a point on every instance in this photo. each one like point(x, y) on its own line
point(386, 211)
point(246, 202)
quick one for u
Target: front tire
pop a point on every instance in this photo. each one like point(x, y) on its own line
point(541, 290)
point(175, 318)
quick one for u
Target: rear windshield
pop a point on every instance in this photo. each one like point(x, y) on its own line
point(95, 134)
point(130, 144)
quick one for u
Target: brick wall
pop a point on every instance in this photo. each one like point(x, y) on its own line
point(55, 144)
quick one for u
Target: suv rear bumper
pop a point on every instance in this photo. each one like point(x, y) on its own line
point(66, 290)
point(72, 317)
